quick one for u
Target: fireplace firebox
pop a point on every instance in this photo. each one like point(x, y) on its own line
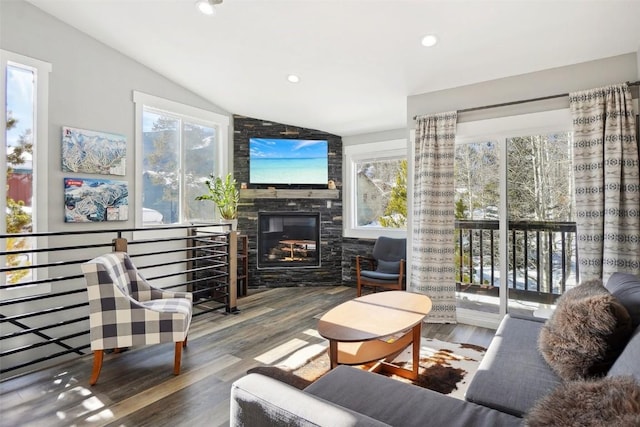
point(288, 239)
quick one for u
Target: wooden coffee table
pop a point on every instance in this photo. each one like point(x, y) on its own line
point(376, 328)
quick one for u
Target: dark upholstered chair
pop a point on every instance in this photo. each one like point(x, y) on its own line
point(125, 311)
point(385, 268)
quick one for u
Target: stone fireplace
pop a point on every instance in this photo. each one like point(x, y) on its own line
point(288, 239)
point(304, 246)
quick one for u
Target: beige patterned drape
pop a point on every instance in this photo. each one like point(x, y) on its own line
point(607, 186)
point(432, 257)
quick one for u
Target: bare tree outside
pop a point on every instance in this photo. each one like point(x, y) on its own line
point(539, 179)
point(539, 191)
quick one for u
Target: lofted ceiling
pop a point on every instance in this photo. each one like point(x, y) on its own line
point(357, 60)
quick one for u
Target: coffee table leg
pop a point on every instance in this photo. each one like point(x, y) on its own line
point(417, 335)
point(333, 353)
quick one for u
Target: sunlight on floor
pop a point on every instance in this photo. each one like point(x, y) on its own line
point(294, 353)
point(79, 399)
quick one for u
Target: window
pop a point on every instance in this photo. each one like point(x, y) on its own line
point(179, 147)
point(376, 189)
point(25, 160)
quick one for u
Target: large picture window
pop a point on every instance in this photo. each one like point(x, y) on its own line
point(179, 148)
point(376, 185)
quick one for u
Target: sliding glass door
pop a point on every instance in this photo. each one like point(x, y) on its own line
point(515, 235)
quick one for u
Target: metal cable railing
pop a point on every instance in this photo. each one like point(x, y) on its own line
point(542, 258)
point(44, 312)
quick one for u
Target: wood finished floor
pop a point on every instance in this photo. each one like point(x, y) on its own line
point(137, 388)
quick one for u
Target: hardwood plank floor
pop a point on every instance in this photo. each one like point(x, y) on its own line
point(137, 387)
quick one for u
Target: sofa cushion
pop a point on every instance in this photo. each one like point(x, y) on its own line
point(512, 374)
point(258, 400)
point(586, 332)
point(400, 404)
point(626, 288)
point(612, 401)
point(628, 363)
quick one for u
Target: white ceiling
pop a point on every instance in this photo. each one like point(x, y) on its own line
point(358, 60)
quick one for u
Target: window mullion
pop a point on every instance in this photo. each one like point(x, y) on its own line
point(181, 179)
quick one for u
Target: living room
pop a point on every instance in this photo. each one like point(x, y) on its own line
point(91, 85)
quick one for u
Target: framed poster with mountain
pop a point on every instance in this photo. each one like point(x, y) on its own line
point(88, 151)
point(95, 200)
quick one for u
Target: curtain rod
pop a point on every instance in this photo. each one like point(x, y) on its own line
point(523, 101)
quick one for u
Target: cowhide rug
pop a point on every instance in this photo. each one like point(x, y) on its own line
point(444, 367)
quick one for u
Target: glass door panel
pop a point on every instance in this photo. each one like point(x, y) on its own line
point(541, 238)
point(477, 249)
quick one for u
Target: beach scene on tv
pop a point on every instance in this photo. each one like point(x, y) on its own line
point(288, 161)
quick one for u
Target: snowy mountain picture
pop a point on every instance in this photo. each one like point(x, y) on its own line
point(95, 200)
point(89, 151)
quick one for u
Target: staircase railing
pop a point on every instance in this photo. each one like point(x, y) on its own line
point(44, 312)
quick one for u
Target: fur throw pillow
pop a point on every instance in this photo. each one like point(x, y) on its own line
point(611, 401)
point(586, 332)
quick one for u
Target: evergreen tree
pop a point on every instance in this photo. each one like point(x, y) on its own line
point(17, 220)
point(395, 214)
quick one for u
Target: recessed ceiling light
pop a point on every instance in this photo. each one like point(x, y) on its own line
point(292, 78)
point(206, 6)
point(429, 40)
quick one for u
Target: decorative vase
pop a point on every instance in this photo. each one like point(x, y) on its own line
point(233, 222)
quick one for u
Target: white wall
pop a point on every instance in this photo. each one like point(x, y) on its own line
point(366, 138)
point(91, 87)
point(554, 81)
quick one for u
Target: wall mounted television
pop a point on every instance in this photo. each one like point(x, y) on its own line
point(289, 162)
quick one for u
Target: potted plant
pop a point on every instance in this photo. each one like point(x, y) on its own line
point(224, 193)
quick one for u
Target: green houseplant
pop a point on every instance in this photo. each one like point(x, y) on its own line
point(224, 193)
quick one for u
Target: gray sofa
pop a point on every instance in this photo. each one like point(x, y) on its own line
point(512, 376)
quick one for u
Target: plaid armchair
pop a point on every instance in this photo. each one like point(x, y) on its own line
point(126, 311)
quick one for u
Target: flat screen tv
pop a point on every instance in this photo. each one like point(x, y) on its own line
point(275, 161)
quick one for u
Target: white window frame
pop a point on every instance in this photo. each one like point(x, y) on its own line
point(40, 164)
point(396, 148)
point(175, 109)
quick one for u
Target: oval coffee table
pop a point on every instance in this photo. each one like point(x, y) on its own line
point(376, 328)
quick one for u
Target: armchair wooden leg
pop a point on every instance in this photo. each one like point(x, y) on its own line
point(184, 343)
point(178, 357)
point(97, 365)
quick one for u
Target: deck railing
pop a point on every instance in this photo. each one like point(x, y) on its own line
point(541, 258)
point(44, 314)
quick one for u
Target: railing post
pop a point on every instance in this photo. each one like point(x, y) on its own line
point(192, 252)
point(120, 244)
point(233, 271)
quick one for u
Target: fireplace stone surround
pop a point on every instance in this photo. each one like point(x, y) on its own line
point(327, 203)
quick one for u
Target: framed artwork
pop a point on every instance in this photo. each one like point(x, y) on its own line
point(95, 200)
point(88, 151)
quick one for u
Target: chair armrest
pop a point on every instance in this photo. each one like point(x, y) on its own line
point(142, 290)
point(365, 259)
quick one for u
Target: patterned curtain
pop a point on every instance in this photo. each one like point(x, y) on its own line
point(432, 258)
point(607, 186)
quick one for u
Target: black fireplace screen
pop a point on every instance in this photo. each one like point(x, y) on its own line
point(288, 239)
